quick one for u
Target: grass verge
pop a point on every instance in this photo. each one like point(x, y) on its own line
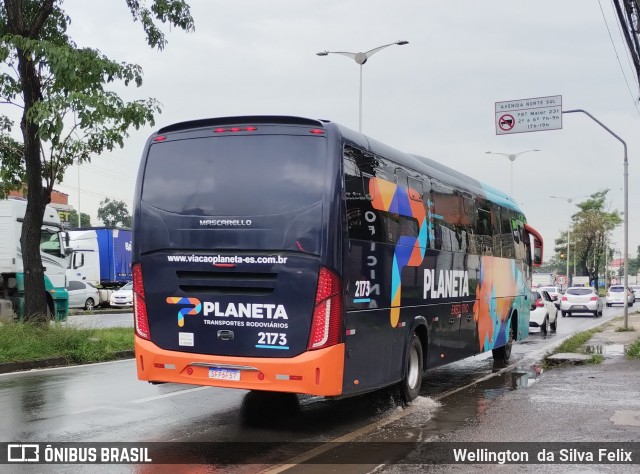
point(574, 344)
point(633, 351)
point(21, 342)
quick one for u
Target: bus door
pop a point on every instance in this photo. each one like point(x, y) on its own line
point(446, 214)
point(375, 348)
point(468, 323)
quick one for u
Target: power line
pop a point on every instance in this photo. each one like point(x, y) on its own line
point(635, 104)
point(628, 55)
point(94, 193)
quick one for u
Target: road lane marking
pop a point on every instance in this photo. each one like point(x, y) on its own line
point(167, 395)
point(47, 369)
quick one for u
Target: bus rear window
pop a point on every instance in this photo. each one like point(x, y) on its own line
point(236, 175)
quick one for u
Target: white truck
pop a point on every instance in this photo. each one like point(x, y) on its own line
point(100, 256)
point(542, 279)
point(52, 251)
point(580, 281)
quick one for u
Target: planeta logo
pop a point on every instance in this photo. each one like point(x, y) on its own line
point(194, 303)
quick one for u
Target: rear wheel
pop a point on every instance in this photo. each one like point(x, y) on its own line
point(595, 313)
point(554, 324)
point(412, 381)
point(544, 329)
point(503, 354)
point(89, 304)
point(564, 314)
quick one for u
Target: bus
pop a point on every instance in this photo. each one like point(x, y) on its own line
point(288, 254)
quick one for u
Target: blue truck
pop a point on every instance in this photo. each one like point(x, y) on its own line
point(101, 256)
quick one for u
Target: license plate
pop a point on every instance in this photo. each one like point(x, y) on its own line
point(579, 307)
point(224, 374)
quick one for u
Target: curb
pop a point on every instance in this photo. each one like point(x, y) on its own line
point(98, 312)
point(613, 321)
point(9, 367)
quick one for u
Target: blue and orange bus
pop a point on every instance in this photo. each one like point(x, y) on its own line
point(295, 255)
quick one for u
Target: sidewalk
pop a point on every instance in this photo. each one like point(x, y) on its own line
point(595, 403)
point(573, 403)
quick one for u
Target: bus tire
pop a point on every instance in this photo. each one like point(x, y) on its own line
point(503, 354)
point(412, 381)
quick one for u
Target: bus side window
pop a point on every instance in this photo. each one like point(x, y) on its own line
point(484, 229)
point(470, 221)
point(453, 222)
point(363, 221)
point(506, 234)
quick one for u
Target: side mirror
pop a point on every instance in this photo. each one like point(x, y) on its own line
point(537, 245)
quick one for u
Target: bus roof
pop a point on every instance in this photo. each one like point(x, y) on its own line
point(419, 163)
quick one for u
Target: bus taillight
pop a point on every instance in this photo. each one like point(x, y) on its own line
point(326, 327)
point(139, 304)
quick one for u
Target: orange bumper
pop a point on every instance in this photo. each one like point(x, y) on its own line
point(315, 372)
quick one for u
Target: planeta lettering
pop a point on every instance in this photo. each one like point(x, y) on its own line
point(447, 284)
point(240, 310)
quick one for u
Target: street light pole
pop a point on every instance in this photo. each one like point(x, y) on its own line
point(625, 175)
point(569, 201)
point(79, 226)
point(568, 245)
point(512, 158)
point(361, 58)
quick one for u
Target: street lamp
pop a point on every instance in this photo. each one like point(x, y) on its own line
point(512, 157)
point(569, 201)
point(361, 58)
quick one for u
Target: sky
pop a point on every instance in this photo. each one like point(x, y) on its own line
point(434, 97)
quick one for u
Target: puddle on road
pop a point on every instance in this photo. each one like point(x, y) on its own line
point(457, 409)
point(606, 350)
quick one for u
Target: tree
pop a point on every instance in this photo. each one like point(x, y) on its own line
point(114, 213)
point(590, 231)
point(592, 226)
point(68, 114)
point(85, 219)
point(12, 174)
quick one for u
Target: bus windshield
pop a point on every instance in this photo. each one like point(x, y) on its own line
point(235, 175)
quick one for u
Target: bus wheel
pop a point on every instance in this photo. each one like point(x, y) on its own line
point(412, 381)
point(503, 354)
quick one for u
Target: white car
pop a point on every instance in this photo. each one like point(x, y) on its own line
point(581, 299)
point(122, 297)
point(636, 291)
point(544, 314)
point(554, 293)
point(82, 295)
point(615, 295)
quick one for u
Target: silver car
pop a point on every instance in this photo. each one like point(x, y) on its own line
point(122, 297)
point(616, 295)
point(82, 295)
point(581, 299)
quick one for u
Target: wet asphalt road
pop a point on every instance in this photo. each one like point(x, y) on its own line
point(105, 402)
point(98, 320)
